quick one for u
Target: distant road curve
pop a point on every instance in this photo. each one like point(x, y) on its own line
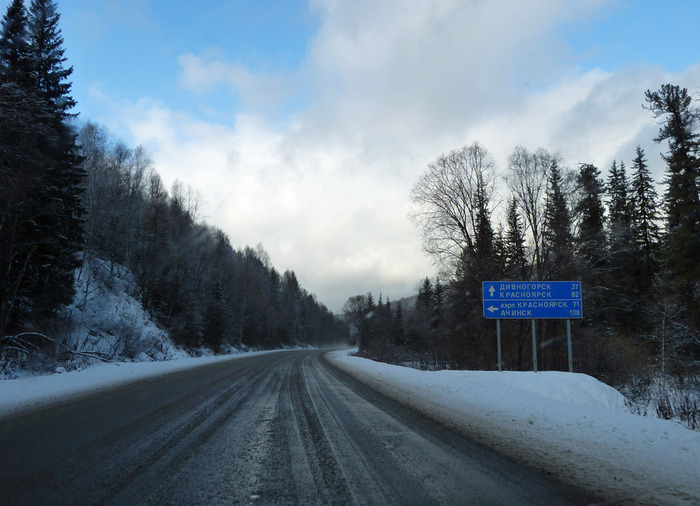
point(279, 428)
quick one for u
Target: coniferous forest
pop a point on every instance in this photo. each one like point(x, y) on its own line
point(74, 201)
point(635, 249)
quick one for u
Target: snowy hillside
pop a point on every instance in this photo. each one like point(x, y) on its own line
point(105, 322)
point(108, 320)
point(569, 425)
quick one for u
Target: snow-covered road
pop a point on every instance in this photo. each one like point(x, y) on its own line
point(283, 428)
point(568, 425)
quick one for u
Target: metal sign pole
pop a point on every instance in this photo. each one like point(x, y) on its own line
point(568, 342)
point(534, 347)
point(498, 339)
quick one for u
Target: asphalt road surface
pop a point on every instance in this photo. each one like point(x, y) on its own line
point(279, 428)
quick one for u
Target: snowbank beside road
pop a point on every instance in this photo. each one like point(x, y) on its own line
point(570, 425)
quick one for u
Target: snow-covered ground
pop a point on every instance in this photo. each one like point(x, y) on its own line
point(107, 319)
point(569, 425)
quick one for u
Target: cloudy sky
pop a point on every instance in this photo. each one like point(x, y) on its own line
point(304, 124)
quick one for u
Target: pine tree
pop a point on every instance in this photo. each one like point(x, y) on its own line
point(15, 61)
point(557, 238)
point(645, 214)
point(682, 197)
point(46, 50)
point(591, 243)
point(41, 183)
point(382, 325)
point(425, 295)
point(514, 246)
point(591, 234)
point(399, 326)
point(23, 136)
point(623, 253)
point(370, 304)
point(60, 195)
point(438, 297)
point(484, 234)
point(215, 321)
point(40, 172)
point(367, 326)
point(437, 304)
point(618, 190)
point(500, 256)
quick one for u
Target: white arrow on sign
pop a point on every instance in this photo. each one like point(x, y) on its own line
point(492, 309)
point(492, 290)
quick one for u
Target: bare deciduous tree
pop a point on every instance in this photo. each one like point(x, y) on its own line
point(450, 202)
point(527, 180)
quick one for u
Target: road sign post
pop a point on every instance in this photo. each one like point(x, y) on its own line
point(498, 340)
point(510, 300)
point(568, 344)
point(534, 347)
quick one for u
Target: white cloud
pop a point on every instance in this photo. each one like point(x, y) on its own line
point(311, 216)
point(393, 84)
point(202, 74)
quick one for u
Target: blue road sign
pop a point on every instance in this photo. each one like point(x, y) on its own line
point(532, 299)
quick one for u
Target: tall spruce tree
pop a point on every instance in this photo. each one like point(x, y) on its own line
point(682, 197)
point(557, 238)
point(46, 50)
point(399, 325)
point(591, 242)
point(41, 205)
point(623, 252)
point(645, 221)
point(15, 61)
point(499, 252)
point(61, 224)
point(618, 195)
point(20, 165)
point(425, 295)
point(438, 298)
point(514, 244)
point(591, 234)
point(23, 137)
